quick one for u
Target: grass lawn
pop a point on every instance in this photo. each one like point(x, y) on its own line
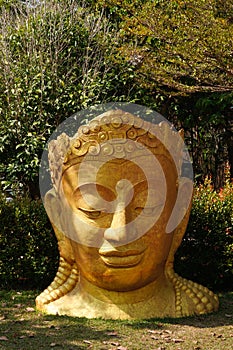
point(23, 328)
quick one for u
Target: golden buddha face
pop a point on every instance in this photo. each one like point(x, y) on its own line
point(119, 206)
point(107, 219)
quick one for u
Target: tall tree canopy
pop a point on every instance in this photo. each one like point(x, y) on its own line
point(180, 46)
point(182, 54)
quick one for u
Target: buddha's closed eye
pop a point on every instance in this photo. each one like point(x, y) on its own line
point(92, 213)
point(149, 211)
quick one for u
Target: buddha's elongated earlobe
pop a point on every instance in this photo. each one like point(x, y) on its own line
point(177, 238)
point(182, 204)
point(53, 208)
point(67, 274)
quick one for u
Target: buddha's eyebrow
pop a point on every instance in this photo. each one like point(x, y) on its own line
point(150, 187)
point(141, 183)
point(84, 187)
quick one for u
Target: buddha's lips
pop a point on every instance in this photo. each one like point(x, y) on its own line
point(119, 253)
point(119, 259)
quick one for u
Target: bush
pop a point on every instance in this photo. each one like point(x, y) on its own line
point(206, 252)
point(29, 254)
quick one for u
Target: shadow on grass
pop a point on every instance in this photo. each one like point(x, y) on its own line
point(45, 332)
point(23, 328)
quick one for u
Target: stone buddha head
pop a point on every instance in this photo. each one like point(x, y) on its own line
point(119, 208)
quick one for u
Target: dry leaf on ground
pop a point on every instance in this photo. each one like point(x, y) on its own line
point(4, 338)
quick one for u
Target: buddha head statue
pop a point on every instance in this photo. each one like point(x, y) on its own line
point(119, 207)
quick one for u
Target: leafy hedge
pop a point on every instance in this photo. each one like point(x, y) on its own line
point(206, 252)
point(29, 255)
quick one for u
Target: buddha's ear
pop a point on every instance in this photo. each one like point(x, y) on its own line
point(53, 208)
point(184, 206)
point(183, 199)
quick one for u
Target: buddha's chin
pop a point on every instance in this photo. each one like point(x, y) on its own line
point(123, 277)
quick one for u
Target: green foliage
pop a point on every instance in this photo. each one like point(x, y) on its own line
point(206, 253)
point(29, 254)
point(57, 58)
point(185, 46)
point(181, 54)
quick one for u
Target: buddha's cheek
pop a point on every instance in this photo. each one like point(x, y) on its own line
point(82, 231)
point(89, 262)
point(155, 257)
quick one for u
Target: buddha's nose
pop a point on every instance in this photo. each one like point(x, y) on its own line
point(117, 232)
